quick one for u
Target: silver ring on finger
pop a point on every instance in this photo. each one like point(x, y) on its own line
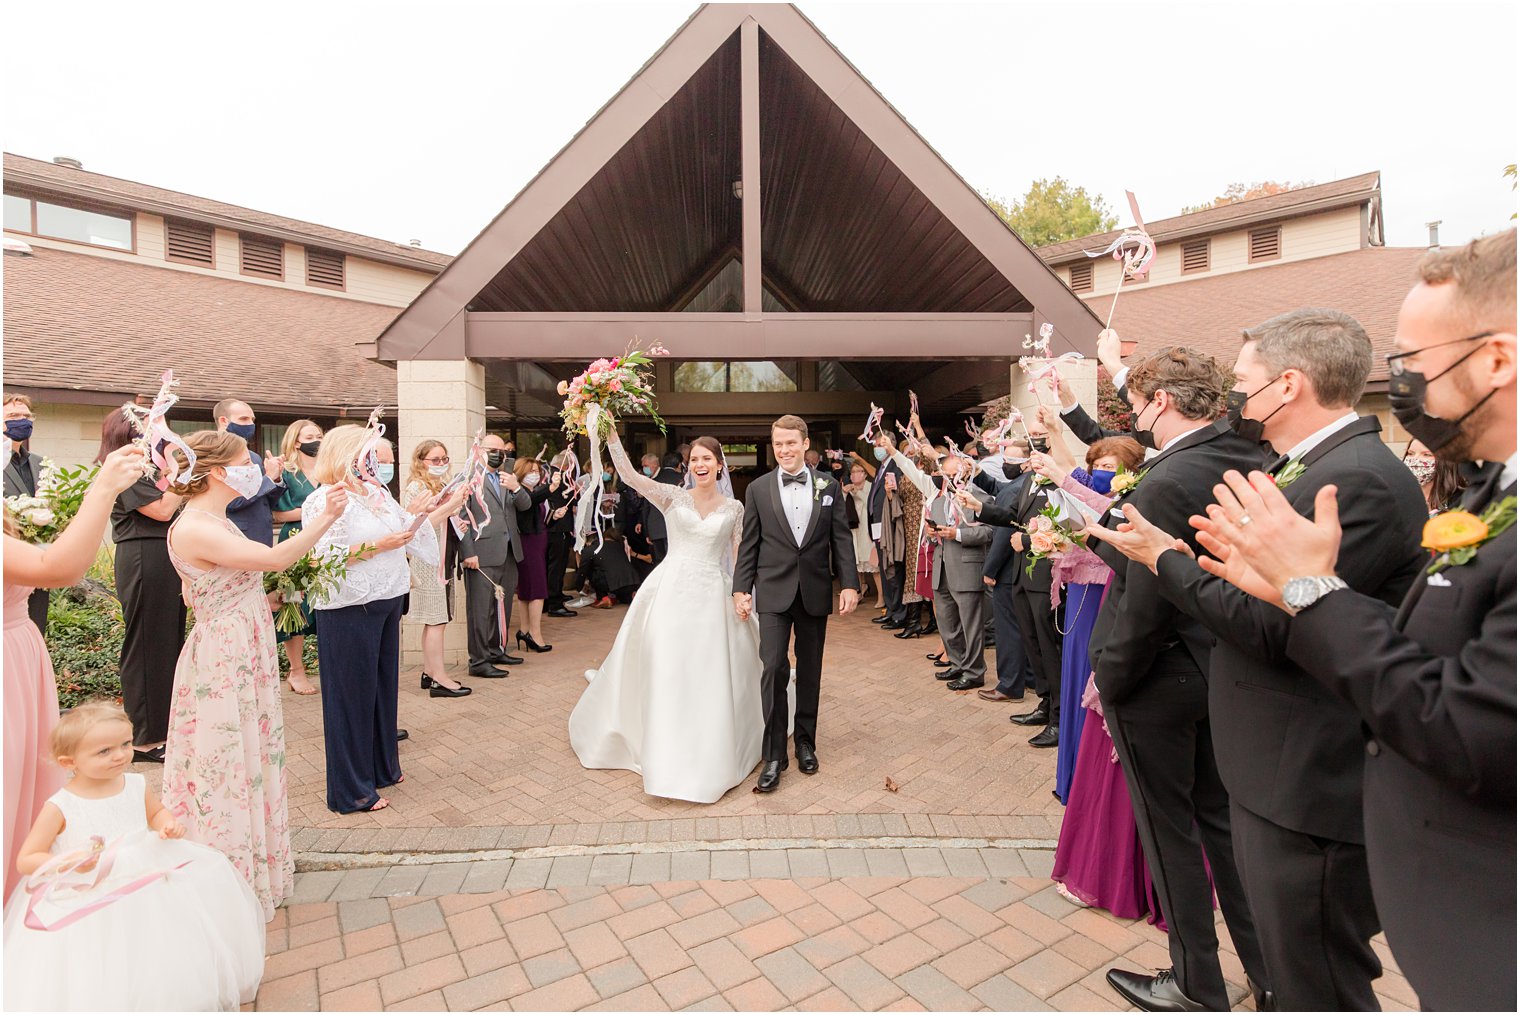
point(1243, 521)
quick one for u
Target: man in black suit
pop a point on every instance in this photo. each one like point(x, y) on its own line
point(1434, 680)
point(1150, 663)
point(253, 516)
point(1290, 752)
point(489, 559)
point(796, 541)
point(654, 519)
point(22, 470)
point(1031, 600)
point(1003, 563)
point(893, 573)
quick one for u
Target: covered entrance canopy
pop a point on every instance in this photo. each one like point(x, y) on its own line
point(751, 202)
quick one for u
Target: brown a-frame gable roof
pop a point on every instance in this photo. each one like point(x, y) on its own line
point(433, 326)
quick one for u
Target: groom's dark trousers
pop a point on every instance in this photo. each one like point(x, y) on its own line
point(776, 630)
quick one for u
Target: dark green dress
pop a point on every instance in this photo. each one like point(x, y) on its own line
point(297, 489)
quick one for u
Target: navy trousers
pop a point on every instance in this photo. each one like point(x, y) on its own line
point(359, 660)
point(1013, 670)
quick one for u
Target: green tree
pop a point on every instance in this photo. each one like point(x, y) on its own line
point(1509, 173)
point(1053, 211)
point(1237, 192)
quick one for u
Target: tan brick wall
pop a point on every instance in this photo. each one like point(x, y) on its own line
point(68, 434)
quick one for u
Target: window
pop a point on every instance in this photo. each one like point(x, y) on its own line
point(18, 213)
point(188, 242)
point(1081, 277)
point(264, 257)
point(1266, 243)
point(1195, 256)
point(104, 229)
point(721, 375)
point(324, 268)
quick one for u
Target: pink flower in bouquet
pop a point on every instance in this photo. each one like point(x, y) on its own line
point(1042, 524)
point(1042, 542)
point(563, 388)
point(658, 350)
point(616, 384)
point(599, 365)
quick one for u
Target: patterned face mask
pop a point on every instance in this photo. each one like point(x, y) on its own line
point(1423, 467)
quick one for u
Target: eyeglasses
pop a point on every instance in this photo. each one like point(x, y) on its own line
point(1396, 360)
point(437, 461)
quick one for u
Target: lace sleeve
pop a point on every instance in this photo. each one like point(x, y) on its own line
point(914, 474)
point(337, 535)
point(661, 495)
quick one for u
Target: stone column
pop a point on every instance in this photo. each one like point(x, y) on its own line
point(441, 400)
point(1081, 374)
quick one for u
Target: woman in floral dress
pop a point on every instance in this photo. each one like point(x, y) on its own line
point(224, 765)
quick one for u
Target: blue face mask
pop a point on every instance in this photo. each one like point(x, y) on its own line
point(1103, 479)
point(606, 477)
point(18, 430)
point(243, 430)
point(385, 472)
point(648, 471)
point(881, 454)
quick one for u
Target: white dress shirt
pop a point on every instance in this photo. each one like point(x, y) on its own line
point(1510, 470)
point(1319, 436)
point(1185, 433)
point(797, 501)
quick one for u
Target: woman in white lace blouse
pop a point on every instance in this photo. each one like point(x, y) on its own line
point(359, 623)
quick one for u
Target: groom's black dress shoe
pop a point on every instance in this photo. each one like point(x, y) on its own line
point(508, 660)
point(966, 683)
point(770, 777)
point(1039, 717)
point(1152, 993)
point(488, 671)
point(884, 618)
point(807, 760)
point(949, 674)
point(1050, 736)
point(1265, 999)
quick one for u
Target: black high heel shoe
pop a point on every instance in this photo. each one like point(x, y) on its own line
point(437, 690)
point(526, 639)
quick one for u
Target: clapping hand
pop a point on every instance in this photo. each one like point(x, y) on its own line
point(274, 466)
point(1258, 542)
point(1138, 539)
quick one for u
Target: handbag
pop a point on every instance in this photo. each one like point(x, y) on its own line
point(851, 511)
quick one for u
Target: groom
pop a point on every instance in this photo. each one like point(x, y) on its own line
point(796, 538)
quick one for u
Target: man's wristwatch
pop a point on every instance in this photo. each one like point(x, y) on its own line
point(1301, 593)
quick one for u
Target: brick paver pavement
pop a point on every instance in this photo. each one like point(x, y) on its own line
point(506, 877)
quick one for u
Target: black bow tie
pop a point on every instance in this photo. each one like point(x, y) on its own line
point(787, 477)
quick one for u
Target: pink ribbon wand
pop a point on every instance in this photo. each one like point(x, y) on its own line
point(1133, 249)
point(154, 430)
point(53, 879)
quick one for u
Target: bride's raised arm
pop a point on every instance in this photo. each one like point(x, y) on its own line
point(659, 494)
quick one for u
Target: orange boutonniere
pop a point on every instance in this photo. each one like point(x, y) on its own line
point(1454, 536)
point(1452, 530)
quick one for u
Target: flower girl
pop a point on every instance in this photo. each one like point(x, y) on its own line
point(116, 910)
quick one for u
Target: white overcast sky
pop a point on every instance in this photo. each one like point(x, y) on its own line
point(405, 120)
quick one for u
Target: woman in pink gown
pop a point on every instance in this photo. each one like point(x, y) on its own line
point(224, 763)
point(31, 697)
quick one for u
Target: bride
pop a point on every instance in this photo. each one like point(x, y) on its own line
point(678, 698)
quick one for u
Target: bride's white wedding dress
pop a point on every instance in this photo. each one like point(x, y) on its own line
point(678, 697)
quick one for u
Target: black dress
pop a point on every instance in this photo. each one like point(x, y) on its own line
point(153, 614)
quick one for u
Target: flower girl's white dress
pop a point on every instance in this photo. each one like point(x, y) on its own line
point(190, 941)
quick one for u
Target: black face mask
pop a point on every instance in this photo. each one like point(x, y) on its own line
point(1406, 396)
point(310, 448)
point(495, 458)
point(1011, 471)
point(1251, 429)
point(1144, 438)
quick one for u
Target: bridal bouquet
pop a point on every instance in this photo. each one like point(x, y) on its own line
point(1049, 537)
point(313, 575)
point(43, 517)
point(620, 387)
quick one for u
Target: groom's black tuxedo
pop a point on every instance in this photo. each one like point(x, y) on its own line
point(793, 586)
point(1150, 662)
point(1289, 750)
point(775, 567)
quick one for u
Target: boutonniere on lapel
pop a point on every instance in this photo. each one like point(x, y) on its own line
point(1040, 479)
point(1125, 481)
point(819, 485)
point(1454, 536)
point(1289, 472)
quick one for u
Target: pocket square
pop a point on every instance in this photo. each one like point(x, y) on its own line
point(1439, 580)
point(827, 500)
point(1118, 514)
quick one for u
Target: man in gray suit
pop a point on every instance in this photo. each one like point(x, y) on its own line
point(22, 470)
point(959, 599)
point(489, 559)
